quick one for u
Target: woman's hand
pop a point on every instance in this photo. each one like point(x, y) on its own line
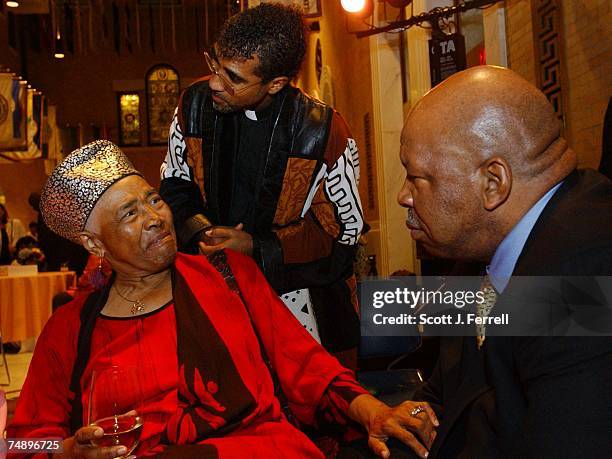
point(80, 446)
point(413, 423)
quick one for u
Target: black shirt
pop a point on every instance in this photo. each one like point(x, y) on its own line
point(249, 163)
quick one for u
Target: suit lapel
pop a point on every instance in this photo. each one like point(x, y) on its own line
point(542, 243)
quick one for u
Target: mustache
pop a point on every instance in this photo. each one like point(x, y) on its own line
point(412, 220)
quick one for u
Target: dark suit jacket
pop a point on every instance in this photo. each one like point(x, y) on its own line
point(536, 396)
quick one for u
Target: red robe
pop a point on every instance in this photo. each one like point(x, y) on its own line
point(316, 386)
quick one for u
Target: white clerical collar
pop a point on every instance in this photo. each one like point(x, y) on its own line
point(251, 114)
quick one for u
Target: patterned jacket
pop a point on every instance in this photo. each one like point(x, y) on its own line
point(308, 212)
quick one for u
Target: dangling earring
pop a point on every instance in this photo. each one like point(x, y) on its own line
point(98, 280)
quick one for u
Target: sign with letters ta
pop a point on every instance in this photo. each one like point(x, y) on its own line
point(446, 56)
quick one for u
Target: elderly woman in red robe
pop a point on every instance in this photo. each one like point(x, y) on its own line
point(209, 337)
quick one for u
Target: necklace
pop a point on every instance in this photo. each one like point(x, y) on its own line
point(138, 305)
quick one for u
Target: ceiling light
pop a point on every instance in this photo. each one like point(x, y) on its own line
point(353, 6)
point(59, 47)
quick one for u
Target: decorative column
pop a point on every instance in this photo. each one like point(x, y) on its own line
point(396, 247)
point(494, 22)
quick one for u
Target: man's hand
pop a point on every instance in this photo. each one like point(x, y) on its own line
point(226, 237)
point(80, 446)
point(381, 421)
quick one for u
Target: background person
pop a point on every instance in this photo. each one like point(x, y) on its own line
point(13, 229)
point(33, 230)
point(59, 251)
point(5, 246)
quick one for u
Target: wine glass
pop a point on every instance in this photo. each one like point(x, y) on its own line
point(115, 405)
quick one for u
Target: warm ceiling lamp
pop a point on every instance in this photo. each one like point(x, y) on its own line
point(353, 6)
point(59, 48)
point(12, 4)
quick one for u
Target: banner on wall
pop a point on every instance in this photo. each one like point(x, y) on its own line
point(35, 138)
point(28, 127)
point(52, 134)
point(13, 113)
point(37, 144)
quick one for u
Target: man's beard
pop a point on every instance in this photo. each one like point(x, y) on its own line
point(226, 108)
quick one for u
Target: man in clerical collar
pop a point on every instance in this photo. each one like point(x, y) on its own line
point(256, 165)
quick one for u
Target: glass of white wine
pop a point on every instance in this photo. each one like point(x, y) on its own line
point(115, 405)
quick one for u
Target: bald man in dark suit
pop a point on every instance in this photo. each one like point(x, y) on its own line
point(490, 179)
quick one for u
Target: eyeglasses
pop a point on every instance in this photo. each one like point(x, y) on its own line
point(227, 85)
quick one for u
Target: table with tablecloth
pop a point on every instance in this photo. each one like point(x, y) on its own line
point(25, 302)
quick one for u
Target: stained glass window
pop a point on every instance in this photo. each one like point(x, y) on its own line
point(129, 119)
point(162, 98)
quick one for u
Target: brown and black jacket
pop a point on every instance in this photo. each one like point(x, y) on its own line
point(308, 215)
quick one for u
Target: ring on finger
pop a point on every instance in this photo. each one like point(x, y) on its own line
point(416, 410)
point(382, 438)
